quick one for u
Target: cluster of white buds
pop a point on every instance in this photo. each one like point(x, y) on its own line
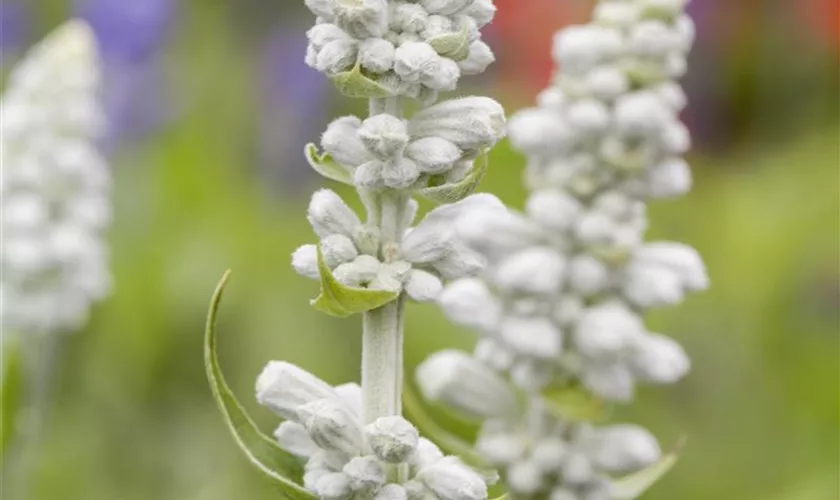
point(54, 187)
point(429, 253)
point(384, 460)
point(560, 302)
point(412, 48)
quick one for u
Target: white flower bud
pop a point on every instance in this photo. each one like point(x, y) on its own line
point(607, 330)
point(482, 11)
point(577, 470)
point(480, 58)
point(471, 123)
point(581, 48)
point(500, 448)
point(553, 209)
point(442, 76)
point(588, 276)
point(641, 113)
point(525, 478)
point(613, 382)
point(450, 479)
point(367, 238)
point(305, 261)
point(649, 286)
point(676, 138)
point(622, 448)
point(363, 270)
point(328, 214)
point(607, 82)
point(332, 425)
point(568, 310)
point(434, 155)
point(366, 474)
point(362, 18)
point(653, 39)
point(376, 55)
point(672, 94)
point(438, 25)
point(676, 66)
point(669, 179)
point(400, 173)
point(338, 249)
point(496, 356)
point(549, 453)
point(659, 359)
point(445, 7)
point(334, 486)
point(351, 395)
point(341, 141)
point(413, 60)
point(423, 286)
point(588, 116)
point(686, 32)
point(391, 492)
point(536, 271)
point(594, 228)
point(460, 262)
point(497, 233)
point(384, 135)
point(392, 439)
point(679, 258)
point(370, 175)
point(534, 337)
point(283, 387)
point(337, 56)
point(470, 302)
point(541, 132)
point(664, 7)
point(458, 380)
point(293, 438)
point(415, 490)
point(322, 34)
point(562, 494)
point(408, 17)
point(427, 453)
point(321, 8)
point(329, 461)
point(617, 14)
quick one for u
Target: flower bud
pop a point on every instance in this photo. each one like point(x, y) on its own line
point(525, 478)
point(423, 286)
point(341, 141)
point(351, 395)
point(497, 233)
point(400, 173)
point(338, 249)
point(450, 479)
point(434, 155)
point(640, 113)
point(305, 261)
point(669, 179)
point(408, 17)
point(611, 381)
point(427, 243)
point(581, 48)
point(332, 425)
point(679, 258)
point(480, 58)
point(606, 331)
point(458, 380)
point(659, 359)
point(369, 175)
point(337, 56)
point(391, 492)
point(589, 116)
point(482, 11)
point(494, 355)
point(376, 55)
point(367, 238)
point(534, 337)
point(588, 276)
point(649, 286)
point(283, 387)
point(412, 60)
point(384, 135)
point(501, 448)
point(362, 18)
point(471, 123)
point(553, 209)
point(322, 34)
point(562, 494)
point(652, 39)
point(363, 270)
point(366, 474)
point(427, 453)
point(549, 453)
point(445, 7)
point(293, 438)
point(392, 439)
point(541, 132)
point(535, 271)
point(607, 82)
point(321, 8)
point(577, 470)
point(617, 14)
point(470, 302)
point(622, 448)
point(328, 215)
point(334, 486)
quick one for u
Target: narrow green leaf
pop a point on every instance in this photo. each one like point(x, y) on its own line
point(337, 299)
point(355, 84)
point(326, 166)
point(635, 485)
point(11, 391)
point(574, 403)
point(455, 46)
point(282, 468)
point(457, 191)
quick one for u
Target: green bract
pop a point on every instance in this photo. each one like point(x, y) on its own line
point(325, 165)
point(455, 46)
point(337, 299)
point(573, 403)
point(355, 84)
point(279, 466)
point(635, 485)
point(456, 191)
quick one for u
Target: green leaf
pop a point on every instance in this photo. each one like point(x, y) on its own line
point(11, 391)
point(455, 46)
point(635, 485)
point(282, 468)
point(457, 191)
point(339, 300)
point(326, 166)
point(575, 404)
point(355, 84)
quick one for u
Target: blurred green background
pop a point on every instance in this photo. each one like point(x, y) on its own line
point(209, 175)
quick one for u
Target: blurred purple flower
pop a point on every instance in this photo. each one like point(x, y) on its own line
point(14, 26)
point(294, 107)
point(132, 35)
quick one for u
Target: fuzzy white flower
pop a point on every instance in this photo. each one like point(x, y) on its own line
point(54, 185)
